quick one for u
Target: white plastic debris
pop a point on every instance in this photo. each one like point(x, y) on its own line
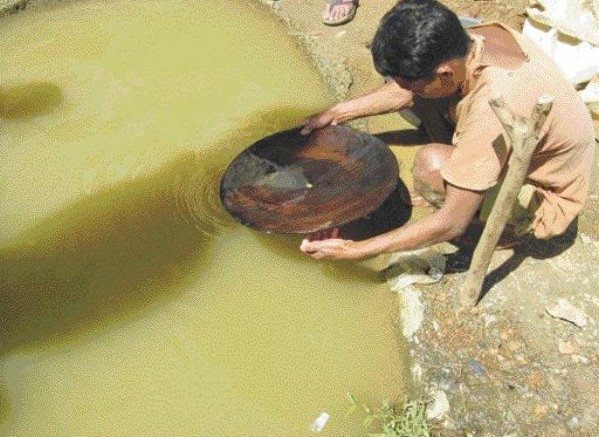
point(564, 310)
point(422, 266)
point(320, 422)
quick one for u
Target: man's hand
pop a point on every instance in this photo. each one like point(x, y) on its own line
point(332, 248)
point(387, 98)
point(318, 121)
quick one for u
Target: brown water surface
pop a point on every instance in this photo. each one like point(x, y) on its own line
point(130, 303)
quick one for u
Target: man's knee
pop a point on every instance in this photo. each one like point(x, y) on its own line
point(428, 181)
point(429, 160)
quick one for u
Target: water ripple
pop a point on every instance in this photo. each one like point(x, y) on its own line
point(196, 193)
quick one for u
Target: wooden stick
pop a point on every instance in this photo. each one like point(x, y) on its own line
point(523, 135)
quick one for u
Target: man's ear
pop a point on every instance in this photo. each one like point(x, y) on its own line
point(445, 71)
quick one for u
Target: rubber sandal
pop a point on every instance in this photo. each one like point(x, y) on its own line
point(347, 18)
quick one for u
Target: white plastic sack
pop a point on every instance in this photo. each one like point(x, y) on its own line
point(568, 30)
point(579, 60)
point(575, 18)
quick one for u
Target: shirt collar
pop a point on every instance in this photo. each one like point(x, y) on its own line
point(474, 63)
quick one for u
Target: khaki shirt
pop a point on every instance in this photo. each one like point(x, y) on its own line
point(561, 164)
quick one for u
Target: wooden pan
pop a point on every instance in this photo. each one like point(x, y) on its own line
point(290, 183)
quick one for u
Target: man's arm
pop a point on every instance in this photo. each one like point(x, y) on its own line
point(450, 221)
point(387, 98)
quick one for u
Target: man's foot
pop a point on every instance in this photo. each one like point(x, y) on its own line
point(339, 12)
point(508, 239)
point(512, 239)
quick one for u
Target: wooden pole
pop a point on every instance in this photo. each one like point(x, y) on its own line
point(523, 135)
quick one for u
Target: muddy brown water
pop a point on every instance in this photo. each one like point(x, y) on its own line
point(130, 303)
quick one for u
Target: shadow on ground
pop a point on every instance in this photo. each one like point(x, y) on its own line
point(531, 247)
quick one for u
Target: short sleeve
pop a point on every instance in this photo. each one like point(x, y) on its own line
point(480, 149)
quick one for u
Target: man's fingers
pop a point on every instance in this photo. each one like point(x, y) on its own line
point(308, 127)
point(313, 246)
point(309, 246)
point(318, 121)
point(310, 124)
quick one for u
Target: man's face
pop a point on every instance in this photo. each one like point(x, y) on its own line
point(435, 88)
point(446, 81)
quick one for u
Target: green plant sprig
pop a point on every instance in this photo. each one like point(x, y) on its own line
point(393, 422)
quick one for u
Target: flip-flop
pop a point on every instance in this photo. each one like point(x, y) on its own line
point(347, 18)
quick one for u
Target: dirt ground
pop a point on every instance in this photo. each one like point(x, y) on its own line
point(509, 368)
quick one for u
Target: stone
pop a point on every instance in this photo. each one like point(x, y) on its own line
point(565, 347)
point(540, 412)
point(580, 359)
point(477, 368)
point(417, 372)
point(585, 239)
point(564, 310)
point(574, 423)
point(412, 311)
point(536, 380)
point(439, 407)
point(514, 346)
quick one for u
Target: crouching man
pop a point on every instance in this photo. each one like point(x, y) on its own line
point(447, 75)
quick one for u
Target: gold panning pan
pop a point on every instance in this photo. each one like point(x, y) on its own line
point(291, 183)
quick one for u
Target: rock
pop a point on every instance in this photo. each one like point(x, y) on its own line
point(412, 311)
point(585, 239)
point(535, 380)
point(555, 383)
point(521, 359)
point(439, 407)
point(540, 412)
point(414, 267)
point(514, 346)
point(477, 368)
point(574, 423)
point(417, 372)
point(580, 359)
point(489, 319)
point(565, 347)
point(566, 311)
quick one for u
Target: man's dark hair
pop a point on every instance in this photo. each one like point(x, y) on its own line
point(415, 37)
